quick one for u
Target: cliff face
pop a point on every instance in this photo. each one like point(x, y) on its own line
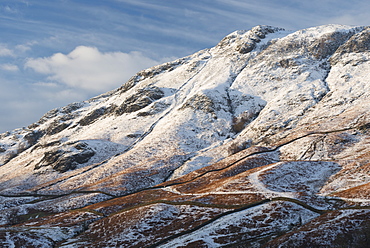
point(262, 140)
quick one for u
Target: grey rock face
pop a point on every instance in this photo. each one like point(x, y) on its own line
point(358, 43)
point(62, 160)
point(140, 100)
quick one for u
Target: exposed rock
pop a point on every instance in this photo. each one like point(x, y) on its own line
point(139, 100)
point(200, 102)
point(239, 122)
point(156, 108)
point(96, 114)
point(46, 145)
point(67, 112)
point(328, 44)
point(149, 73)
point(245, 41)
point(365, 128)
point(49, 158)
point(235, 147)
point(134, 135)
point(9, 156)
point(246, 47)
point(56, 127)
point(92, 117)
point(129, 84)
point(33, 137)
point(62, 160)
point(358, 43)
point(288, 63)
point(70, 108)
point(19, 144)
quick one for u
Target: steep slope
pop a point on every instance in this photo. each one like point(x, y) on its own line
point(261, 140)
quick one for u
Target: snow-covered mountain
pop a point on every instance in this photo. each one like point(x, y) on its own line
point(260, 141)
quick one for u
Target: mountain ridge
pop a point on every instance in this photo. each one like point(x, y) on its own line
point(267, 120)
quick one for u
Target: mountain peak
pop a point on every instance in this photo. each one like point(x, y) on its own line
point(245, 41)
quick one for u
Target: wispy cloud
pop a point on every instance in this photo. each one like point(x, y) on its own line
point(9, 67)
point(4, 51)
point(10, 10)
point(89, 69)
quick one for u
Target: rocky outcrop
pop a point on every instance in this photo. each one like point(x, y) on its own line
point(200, 102)
point(357, 44)
point(66, 159)
point(96, 114)
point(139, 100)
point(245, 41)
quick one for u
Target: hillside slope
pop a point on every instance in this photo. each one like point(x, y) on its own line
point(262, 140)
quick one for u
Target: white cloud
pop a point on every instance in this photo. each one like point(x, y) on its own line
point(10, 10)
point(89, 69)
point(25, 47)
point(4, 51)
point(9, 67)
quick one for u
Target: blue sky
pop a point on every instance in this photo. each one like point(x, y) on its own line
point(56, 52)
